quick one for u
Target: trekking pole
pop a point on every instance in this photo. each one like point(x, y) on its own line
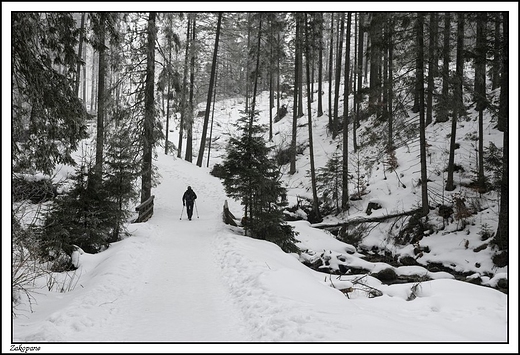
point(196, 209)
point(182, 211)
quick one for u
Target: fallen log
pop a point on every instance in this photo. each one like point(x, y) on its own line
point(360, 220)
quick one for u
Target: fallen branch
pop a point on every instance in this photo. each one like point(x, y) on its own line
point(365, 220)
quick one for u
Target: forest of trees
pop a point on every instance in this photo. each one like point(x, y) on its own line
point(125, 72)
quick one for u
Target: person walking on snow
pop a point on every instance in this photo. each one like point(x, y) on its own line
point(188, 199)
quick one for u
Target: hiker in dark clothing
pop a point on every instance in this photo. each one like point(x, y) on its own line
point(188, 199)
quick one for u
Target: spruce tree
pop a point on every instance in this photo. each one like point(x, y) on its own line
point(121, 175)
point(252, 176)
point(80, 218)
point(329, 183)
point(48, 119)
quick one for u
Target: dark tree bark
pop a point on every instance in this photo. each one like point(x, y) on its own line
point(271, 79)
point(300, 77)
point(315, 203)
point(345, 194)
point(375, 63)
point(149, 111)
point(98, 168)
point(335, 124)
point(190, 118)
point(354, 75)
point(257, 68)
point(420, 76)
point(434, 42)
point(450, 186)
point(278, 73)
point(84, 88)
point(248, 83)
point(480, 92)
point(390, 83)
point(210, 94)
point(384, 48)
point(292, 168)
point(331, 55)
point(503, 115)
point(432, 67)
point(495, 70)
point(442, 115)
point(502, 235)
point(80, 56)
point(94, 84)
point(360, 80)
point(184, 88)
point(212, 116)
point(166, 143)
point(320, 66)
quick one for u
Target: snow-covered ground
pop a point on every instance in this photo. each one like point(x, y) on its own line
point(200, 281)
point(201, 286)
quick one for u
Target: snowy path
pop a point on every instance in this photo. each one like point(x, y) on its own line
point(161, 284)
point(162, 309)
point(197, 281)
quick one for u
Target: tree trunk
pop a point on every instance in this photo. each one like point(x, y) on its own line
point(257, 68)
point(320, 67)
point(367, 55)
point(93, 86)
point(149, 112)
point(375, 63)
point(360, 81)
point(212, 115)
point(98, 169)
point(300, 79)
point(443, 111)
point(390, 84)
point(434, 35)
point(502, 235)
point(384, 49)
point(210, 95)
point(80, 56)
point(271, 83)
point(84, 88)
point(247, 61)
point(190, 119)
point(450, 186)
point(278, 73)
point(495, 71)
point(315, 201)
point(345, 195)
point(431, 68)
point(335, 124)
point(168, 99)
point(331, 54)
point(503, 113)
point(184, 88)
point(480, 92)
point(292, 168)
point(420, 76)
point(312, 76)
point(354, 69)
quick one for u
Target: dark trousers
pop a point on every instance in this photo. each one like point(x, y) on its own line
point(189, 208)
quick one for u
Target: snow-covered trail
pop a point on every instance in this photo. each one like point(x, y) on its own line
point(181, 296)
point(162, 284)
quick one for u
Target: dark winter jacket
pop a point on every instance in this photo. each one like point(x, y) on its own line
point(189, 196)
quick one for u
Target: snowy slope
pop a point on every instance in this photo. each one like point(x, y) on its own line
point(176, 281)
point(200, 281)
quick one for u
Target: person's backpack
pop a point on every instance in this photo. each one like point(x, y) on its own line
point(190, 196)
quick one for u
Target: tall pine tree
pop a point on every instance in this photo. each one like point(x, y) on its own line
point(253, 177)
